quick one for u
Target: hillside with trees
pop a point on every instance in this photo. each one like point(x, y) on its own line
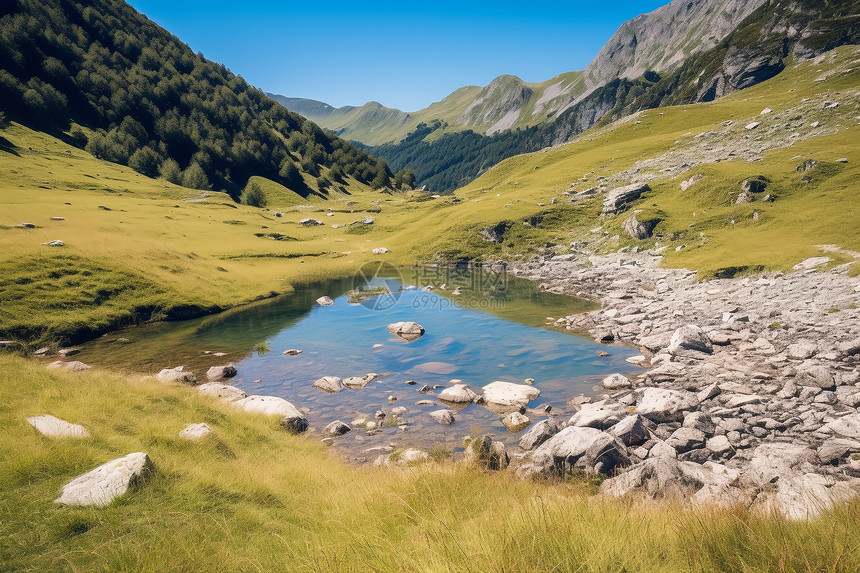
point(131, 93)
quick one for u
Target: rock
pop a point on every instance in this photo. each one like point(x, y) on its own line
point(379, 251)
point(744, 197)
point(655, 477)
point(336, 428)
point(51, 426)
point(102, 485)
point(538, 434)
point(848, 426)
point(598, 415)
point(687, 183)
point(841, 160)
point(330, 384)
point(509, 394)
point(26, 226)
point(407, 330)
point(686, 439)
point(605, 455)
point(619, 199)
point(770, 461)
point(640, 229)
point(719, 445)
point(222, 391)
point(292, 352)
point(220, 372)
point(72, 365)
point(752, 125)
point(483, 451)
point(195, 431)
point(64, 352)
point(178, 374)
point(754, 185)
point(801, 350)
point(806, 166)
point(310, 222)
point(412, 456)
point(458, 393)
point(325, 301)
point(690, 337)
point(294, 423)
point(700, 421)
point(616, 382)
point(810, 373)
point(834, 449)
point(810, 263)
point(515, 421)
point(269, 405)
point(663, 405)
point(353, 382)
point(55, 243)
point(631, 430)
point(444, 417)
point(564, 449)
point(849, 347)
point(803, 496)
point(662, 450)
point(399, 410)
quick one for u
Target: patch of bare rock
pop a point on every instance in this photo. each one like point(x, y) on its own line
point(751, 391)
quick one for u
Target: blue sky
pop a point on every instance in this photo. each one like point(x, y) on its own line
point(402, 54)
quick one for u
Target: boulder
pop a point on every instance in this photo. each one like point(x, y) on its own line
point(353, 382)
point(690, 338)
point(616, 382)
point(598, 415)
point(619, 199)
point(336, 428)
point(53, 427)
point(379, 251)
point(700, 421)
point(801, 350)
point(538, 434)
point(803, 496)
point(222, 391)
point(458, 393)
point(686, 439)
point(848, 426)
point(771, 461)
point(220, 372)
point(605, 455)
point(292, 352)
point(640, 230)
point(515, 421)
point(834, 449)
point(754, 185)
point(407, 330)
point(664, 405)
point(849, 347)
point(102, 485)
point(631, 430)
point(72, 365)
point(330, 384)
point(310, 222)
point(564, 449)
point(325, 301)
point(655, 477)
point(509, 394)
point(195, 431)
point(269, 405)
point(178, 374)
point(719, 446)
point(444, 417)
point(810, 373)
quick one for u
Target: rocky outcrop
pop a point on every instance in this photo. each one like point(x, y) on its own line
point(102, 485)
point(640, 229)
point(620, 198)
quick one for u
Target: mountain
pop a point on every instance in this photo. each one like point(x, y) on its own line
point(133, 94)
point(756, 49)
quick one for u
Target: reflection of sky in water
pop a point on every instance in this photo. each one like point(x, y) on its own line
point(473, 346)
point(476, 347)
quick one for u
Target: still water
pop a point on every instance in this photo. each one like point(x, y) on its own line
point(488, 329)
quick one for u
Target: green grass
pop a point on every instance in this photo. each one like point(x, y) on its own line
point(256, 498)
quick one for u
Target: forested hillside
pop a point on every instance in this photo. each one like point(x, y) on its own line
point(149, 102)
point(755, 51)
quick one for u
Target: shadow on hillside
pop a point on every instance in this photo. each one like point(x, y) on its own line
point(8, 146)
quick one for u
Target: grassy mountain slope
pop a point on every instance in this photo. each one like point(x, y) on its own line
point(146, 100)
point(152, 254)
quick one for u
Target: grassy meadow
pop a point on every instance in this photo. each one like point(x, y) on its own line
point(255, 498)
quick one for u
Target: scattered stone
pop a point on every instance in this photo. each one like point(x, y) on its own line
point(178, 374)
point(54, 427)
point(55, 243)
point(515, 421)
point(195, 431)
point(538, 434)
point(330, 384)
point(619, 199)
point(444, 417)
point(105, 483)
point(220, 372)
point(458, 393)
point(509, 394)
point(72, 365)
point(379, 251)
point(310, 222)
point(664, 405)
point(325, 301)
point(336, 428)
point(221, 391)
point(292, 352)
point(616, 382)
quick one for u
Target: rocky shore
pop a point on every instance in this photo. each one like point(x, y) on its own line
point(749, 392)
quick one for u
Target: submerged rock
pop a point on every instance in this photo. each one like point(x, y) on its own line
point(407, 330)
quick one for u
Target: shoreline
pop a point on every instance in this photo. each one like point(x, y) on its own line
point(751, 391)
